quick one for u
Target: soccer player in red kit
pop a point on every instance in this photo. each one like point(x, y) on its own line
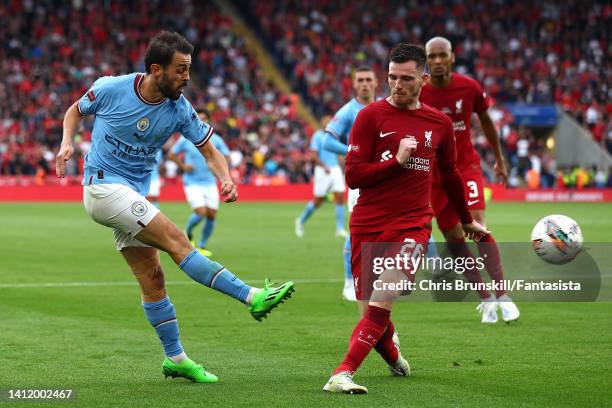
point(458, 96)
point(393, 147)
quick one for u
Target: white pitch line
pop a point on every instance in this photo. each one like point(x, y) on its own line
point(40, 285)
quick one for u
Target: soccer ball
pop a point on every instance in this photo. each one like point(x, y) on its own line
point(557, 239)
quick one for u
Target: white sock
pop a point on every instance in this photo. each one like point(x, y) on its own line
point(249, 298)
point(178, 358)
point(504, 298)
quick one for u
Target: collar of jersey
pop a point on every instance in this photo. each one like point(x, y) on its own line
point(137, 81)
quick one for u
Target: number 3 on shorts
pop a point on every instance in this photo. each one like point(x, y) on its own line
point(473, 189)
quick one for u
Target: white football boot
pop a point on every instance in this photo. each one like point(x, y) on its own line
point(343, 383)
point(299, 228)
point(488, 309)
point(348, 292)
point(401, 368)
point(510, 312)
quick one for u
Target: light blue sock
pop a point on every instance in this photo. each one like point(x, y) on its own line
point(214, 275)
point(209, 226)
point(339, 217)
point(348, 271)
point(162, 316)
point(432, 250)
point(310, 207)
point(191, 223)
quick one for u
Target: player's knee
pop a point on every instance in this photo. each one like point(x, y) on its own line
point(201, 211)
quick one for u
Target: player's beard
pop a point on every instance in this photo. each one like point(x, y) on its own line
point(165, 86)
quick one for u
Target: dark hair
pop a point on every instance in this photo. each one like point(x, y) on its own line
point(363, 68)
point(162, 47)
point(403, 52)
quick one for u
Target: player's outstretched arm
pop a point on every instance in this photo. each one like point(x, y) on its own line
point(72, 120)
point(218, 165)
point(333, 145)
point(488, 127)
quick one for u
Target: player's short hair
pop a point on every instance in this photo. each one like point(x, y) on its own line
point(445, 41)
point(403, 52)
point(162, 47)
point(363, 68)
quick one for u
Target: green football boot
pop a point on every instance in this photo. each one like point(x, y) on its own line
point(268, 298)
point(187, 369)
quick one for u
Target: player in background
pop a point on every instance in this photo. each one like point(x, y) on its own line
point(328, 178)
point(458, 96)
point(199, 184)
point(135, 115)
point(394, 145)
point(336, 141)
point(155, 186)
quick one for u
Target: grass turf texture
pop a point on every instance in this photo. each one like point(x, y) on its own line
point(97, 341)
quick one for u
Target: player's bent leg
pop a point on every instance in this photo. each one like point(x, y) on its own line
point(144, 262)
point(207, 230)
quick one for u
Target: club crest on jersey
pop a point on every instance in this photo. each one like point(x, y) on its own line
point(458, 106)
point(142, 124)
point(428, 134)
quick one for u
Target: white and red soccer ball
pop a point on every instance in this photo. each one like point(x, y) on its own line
point(557, 239)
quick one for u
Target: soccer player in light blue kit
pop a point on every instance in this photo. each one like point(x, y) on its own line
point(200, 184)
point(135, 115)
point(328, 178)
point(336, 140)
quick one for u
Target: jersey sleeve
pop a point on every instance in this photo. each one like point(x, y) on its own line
point(191, 127)
point(314, 142)
point(339, 125)
point(481, 103)
point(220, 145)
point(451, 179)
point(95, 97)
point(362, 170)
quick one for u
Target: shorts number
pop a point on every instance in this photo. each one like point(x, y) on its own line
point(415, 250)
point(473, 189)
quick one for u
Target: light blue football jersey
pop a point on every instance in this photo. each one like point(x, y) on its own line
point(342, 122)
point(325, 156)
point(128, 131)
point(201, 174)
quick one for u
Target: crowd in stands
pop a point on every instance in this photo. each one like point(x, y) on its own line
point(51, 52)
point(47, 61)
point(544, 52)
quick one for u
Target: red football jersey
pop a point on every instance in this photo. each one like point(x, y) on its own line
point(393, 197)
point(459, 100)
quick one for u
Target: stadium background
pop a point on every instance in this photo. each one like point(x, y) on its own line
point(268, 71)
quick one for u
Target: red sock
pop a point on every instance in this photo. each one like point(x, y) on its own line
point(487, 247)
point(459, 249)
point(385, 346)
point(365, 336)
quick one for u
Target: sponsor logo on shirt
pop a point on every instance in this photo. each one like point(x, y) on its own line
point(418, 164)
point(385, 134)
point(126, 151)
point(459, 126)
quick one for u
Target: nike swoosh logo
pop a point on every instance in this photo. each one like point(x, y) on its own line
point(472, 202)
point(385, 134)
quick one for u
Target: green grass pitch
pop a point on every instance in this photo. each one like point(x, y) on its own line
point(87, 331)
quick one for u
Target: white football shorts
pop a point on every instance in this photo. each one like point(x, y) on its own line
point(119, 207)
point(328, 182)
point(202, 196)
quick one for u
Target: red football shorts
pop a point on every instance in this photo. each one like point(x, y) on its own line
point(445, 213)
point(384, 245)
